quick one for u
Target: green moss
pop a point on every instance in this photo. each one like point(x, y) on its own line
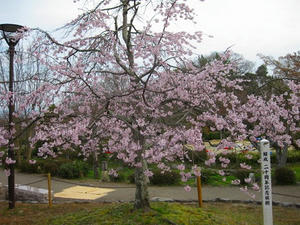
point(182, 214)
point(161, 213)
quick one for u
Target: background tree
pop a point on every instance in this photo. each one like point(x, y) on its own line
point(242, 65)
point(287, 66)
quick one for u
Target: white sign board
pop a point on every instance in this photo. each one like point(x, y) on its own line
point(266, 181)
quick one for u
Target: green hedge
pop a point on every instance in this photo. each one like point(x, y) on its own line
point(293, 156)
point(206, 174)
point(198, 157)
point(120, 178)
point(236, 158)
point(242, 174)
point(131, 178)
point(285, 176)
point(166, 178)
point(26, 167)
point(57, 167)
point(213, 135)
point(73, 170)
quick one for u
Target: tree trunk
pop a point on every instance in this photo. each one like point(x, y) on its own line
point(18, 151)
point(96, 165)
point(28, 151)
point(281, 156)
point(141, 193)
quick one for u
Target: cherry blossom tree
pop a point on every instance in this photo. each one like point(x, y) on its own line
point(284, 68)
point(117, 78)
point(276, 118)
point(25, 85)
point(29, 75)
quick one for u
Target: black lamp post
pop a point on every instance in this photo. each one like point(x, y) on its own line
point(9, 34)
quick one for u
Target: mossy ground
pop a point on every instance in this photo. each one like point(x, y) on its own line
point(161, 213)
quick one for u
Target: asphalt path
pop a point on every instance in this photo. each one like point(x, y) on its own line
point(91, 190)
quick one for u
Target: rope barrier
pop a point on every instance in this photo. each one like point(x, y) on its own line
point(34, 182)
point(89, 185)
point(96, 186)
point(293, 196)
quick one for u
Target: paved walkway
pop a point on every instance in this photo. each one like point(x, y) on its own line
point(99, 191)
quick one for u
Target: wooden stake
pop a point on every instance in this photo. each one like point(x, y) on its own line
point(199, 191)
point(49, 190)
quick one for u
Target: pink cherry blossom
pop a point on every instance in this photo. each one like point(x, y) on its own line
point(197, 171)
point(221, 172)
point(113, 172)
point(187, 188)
point(255, 187)
point(181, 167)
point(9, 161)
point(148, 173)
point(236, 182)
point(32, 161)
point(247, 180)
point(249, 156)
point(7, 172)
point(245, 166)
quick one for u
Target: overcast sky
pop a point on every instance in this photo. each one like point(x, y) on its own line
point(270, 27)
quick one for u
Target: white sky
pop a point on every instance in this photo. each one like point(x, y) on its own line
point(270, 27)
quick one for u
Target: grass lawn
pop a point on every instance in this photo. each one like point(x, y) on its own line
point(296, 168)
point(161, 213)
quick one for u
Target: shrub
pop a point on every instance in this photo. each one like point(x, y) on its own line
point(51, 166)
point(121, 177)
point(293, 156)
point(241, 174)
point(25, 166)
point(233, 157)
point(237, 158)
point(285, 176)
point(69, 171)
point(206, 174)
point(131, 178)
point(198, 156)
point(83, 168)
point(253, 161)
point(124, 173)
point(273, 158)
point(73, 170)
point(257, 178)
point(211, 135)
point(166, 178)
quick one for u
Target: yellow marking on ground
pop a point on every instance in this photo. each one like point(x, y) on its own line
point(81, 192)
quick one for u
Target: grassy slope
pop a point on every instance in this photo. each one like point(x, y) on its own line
point(162, 213)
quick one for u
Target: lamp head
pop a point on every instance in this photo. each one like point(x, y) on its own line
point(9, 32)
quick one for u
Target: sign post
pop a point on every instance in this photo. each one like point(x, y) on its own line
point(264, 146)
